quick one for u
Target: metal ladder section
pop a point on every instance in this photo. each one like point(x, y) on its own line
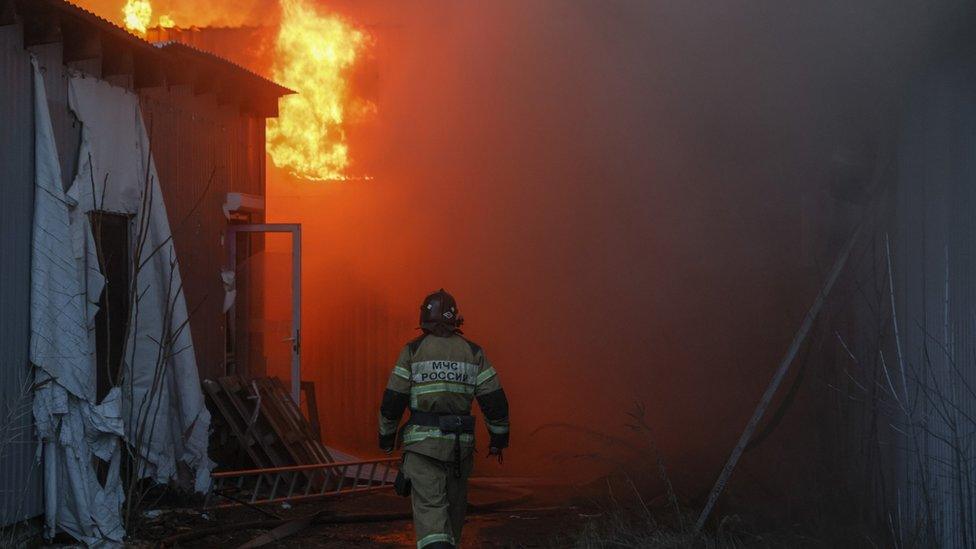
point(298, 482)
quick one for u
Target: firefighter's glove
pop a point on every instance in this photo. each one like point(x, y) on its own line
point(495, 452)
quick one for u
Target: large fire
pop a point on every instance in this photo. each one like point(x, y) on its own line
point(314, 53)
point(137, 15)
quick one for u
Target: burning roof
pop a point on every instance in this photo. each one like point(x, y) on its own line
point(86, 36)
point(201, 59)
point(315, 52)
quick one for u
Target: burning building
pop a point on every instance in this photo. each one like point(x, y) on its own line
point(127, 166)
point(632, 202)
point(318, 145)
point(325, 59)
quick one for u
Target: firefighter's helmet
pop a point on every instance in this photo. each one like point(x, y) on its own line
point(439, 311)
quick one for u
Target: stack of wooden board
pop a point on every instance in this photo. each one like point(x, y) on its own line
point(265, 424)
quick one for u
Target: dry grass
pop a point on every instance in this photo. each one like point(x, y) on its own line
point(619, 529)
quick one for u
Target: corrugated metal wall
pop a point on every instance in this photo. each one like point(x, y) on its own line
point(67, 129)
point(902, 376)
point(20, 476)
point(935, 283)
point(906, 421)
point(193, 138)
point(349, 349)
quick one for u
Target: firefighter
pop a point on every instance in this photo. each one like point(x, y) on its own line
point(437, 376)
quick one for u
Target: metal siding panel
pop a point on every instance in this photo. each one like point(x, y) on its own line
point(67, 129)
point(192, 138)
point(935, 273)
point(960, 339)
point(20, 477)
point(348, 350)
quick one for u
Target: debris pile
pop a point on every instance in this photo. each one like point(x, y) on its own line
point(269, 452)
point(258, 425)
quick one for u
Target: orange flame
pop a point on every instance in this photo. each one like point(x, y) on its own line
point(314, 53)
point(137, 15)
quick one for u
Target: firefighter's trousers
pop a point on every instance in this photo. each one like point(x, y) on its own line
point(439, 498)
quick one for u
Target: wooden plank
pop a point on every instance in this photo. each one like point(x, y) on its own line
point(214, 391)
point(233, 386)
point(290, 420)
point(279, 419)
point(311, 404)
point(262, 425)
point(275, 434)
point(276, 410)
point(312, 443)
point(223, 401)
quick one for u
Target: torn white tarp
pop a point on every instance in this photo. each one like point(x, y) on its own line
point(166, 421)
point(70, 427)
point(159, 409)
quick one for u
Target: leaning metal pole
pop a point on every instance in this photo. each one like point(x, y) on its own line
point(784, 367)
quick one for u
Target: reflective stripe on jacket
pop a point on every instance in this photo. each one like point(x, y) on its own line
point(442, 375)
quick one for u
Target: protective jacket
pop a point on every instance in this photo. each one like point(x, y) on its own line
point(439, 376)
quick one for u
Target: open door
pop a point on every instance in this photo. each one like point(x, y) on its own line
point(273, 332)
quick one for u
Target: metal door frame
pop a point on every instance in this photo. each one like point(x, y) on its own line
point(295, 229)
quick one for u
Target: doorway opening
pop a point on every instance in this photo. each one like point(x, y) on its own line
point(111, 234)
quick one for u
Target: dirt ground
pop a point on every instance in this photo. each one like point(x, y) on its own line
point(504, 513)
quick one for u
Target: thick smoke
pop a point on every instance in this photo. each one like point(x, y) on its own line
point(618, 193)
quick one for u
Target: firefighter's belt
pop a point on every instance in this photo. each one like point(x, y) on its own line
point(447, 423)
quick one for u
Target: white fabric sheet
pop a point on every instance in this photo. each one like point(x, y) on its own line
point(70, 427)
point(159, 409)
point(163, 408)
